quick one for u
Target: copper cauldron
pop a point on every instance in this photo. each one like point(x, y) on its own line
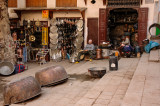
point(97, 72)
point(21, 90)
point(99, 54)
point(51, 75)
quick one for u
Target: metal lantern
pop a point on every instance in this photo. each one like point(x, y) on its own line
point(93, 1)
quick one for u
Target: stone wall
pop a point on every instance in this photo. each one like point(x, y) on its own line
point(7, 49)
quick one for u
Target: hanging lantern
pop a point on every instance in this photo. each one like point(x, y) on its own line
point(93, 1)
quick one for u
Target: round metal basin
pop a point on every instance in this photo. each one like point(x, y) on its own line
point(6, 68)
point(21, 90)
point(51, 75)
point(97, 72)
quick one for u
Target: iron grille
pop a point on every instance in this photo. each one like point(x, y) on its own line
point(123, 3)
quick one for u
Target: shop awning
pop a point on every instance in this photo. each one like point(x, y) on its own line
point(51, 10)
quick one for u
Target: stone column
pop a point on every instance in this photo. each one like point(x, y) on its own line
point(7, 49)
point(21, 3)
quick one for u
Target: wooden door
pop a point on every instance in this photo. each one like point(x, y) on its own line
point(142, 24)
point(102, 26)
point(92, 24)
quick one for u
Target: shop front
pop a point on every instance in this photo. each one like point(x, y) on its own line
point(47, 37)
point(123, 19)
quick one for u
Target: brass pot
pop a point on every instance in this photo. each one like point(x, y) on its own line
point(21, 90)
point(51, 75)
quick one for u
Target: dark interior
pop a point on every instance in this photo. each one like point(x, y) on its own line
point(122, 21)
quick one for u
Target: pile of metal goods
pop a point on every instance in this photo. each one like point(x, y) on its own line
point(66, 37)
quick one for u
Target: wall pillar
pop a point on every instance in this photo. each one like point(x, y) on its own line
point(21, 3)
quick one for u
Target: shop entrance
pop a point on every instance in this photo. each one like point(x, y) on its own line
point(122, 23)
point(108, 22)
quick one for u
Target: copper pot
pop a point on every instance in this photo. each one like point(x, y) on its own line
point(14, 35)
point(99, 54)
point(19, 52)
point(51, 75)
point(21, 90)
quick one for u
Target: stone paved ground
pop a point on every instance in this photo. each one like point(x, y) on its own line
point(66, 93)
point(111, 89)
point(136, 83)
point(154, 56)
point(144, 89)
point(75, 88)
point(126, 87)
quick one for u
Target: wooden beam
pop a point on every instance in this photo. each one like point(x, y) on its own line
point(0, 14)
point(104, 2)
point(83, 14)
point(19, 15)
point(85, 2)
point(50, 14)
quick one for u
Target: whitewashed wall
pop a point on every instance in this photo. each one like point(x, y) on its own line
point(152, 14)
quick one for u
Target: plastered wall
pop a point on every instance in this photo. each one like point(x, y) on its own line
point(152, 14)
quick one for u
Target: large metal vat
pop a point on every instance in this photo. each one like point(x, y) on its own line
point(21, 90)
point(6, 68)
point(51, 75)
point(97, 72)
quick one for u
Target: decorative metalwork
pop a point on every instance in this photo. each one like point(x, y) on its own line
point(123, 3)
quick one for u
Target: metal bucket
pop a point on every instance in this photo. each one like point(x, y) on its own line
point(113, 63)
point(97, 72)
point(51, 75)
point(6, 68)
point(21, 90)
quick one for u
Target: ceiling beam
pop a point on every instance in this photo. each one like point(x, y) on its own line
point(85, 2)
point(104, 2)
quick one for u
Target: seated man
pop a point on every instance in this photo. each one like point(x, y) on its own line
point(125, 48)
point(89, 46)
point(89, 49)
point(126, 40)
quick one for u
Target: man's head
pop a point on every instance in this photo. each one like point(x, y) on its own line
point(90, 41)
